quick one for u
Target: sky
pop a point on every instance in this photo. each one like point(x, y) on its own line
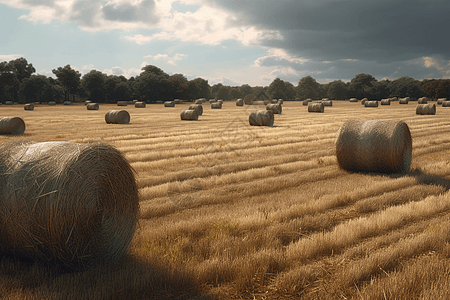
point(232, 42)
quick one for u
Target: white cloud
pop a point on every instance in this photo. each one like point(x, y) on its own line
point(170, 60)
point(118, 71)
point(441, 66)
point(9, 57)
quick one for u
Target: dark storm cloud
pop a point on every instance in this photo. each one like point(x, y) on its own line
point(382, 31)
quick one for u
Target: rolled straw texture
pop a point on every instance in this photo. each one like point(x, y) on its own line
point(363, 100)
point(261, 118)
point(316, 107)
point(422, 100)
point(178, 101)
point(440, 100)
point(66, 203)
point(117, 117)
point(169, 104)
point(122, 103)
point(426, 109)
point(305, 102)
point(248, 100)
point(216, 105)
point(12, 125)
point(198, 108)
point(139, 104)
point(240, 102)
point(404, 100)
point(371, 104)
point(446, 104)
point(353, 100)
point(190, 115)
point(52, 103)
point(327, 102)
point(375, 146)
point(9, 103)
point(28, 106)
point(275, 108)
point(385, 102)
point(92, 106)
point(280, 101)
point(67, 103)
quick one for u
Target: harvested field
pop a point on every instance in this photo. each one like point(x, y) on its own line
point(233, 211)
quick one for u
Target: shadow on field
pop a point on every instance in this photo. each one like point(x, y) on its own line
point(132, 278)
point(430, 179)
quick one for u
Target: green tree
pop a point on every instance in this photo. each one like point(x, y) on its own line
point(13, 73)
point(337, 90)
point(308, 87)
point(151, 87)
point(245, 89)
point(361, 86)
point(69, 79)
point(381, 89)
point(406, 87)
point(224, 93)
point(235, 93)
point(277, 89)
point(93, 84)
point(204, 88)
point(436, 88)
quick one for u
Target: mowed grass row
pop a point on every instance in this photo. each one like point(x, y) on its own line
point(266, 212)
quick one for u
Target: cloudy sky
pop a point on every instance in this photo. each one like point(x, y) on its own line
point(234, 42)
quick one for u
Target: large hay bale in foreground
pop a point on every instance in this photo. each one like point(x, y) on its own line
point(426, 109)
point(248, 100)
point(275, 108)
point(122, 103)
point(117, 117)
point(239, 102)
point(370, 103)
point(189, 114)
point(261, 118)
point(197, 107)
point(92, 106)
point(404, 100)
point(28, 106)
point(327, 102)
point(12, 125)
point(385, 102)
point(169, 104)
point(140, 104)
point(66, 203)
point(316, 107)
point(375, 146)
point(216, 105)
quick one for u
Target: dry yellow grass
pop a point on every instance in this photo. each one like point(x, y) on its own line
point(232, 210)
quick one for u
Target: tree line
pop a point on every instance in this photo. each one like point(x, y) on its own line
point(18, 83)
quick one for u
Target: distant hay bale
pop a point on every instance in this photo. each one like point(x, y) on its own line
point(261, 118)
point(68, 204)
point(240, 102)
point(370, 103)
point(385, 102)
point(52, 103)
point(403, 100)
point(198, 108)
point(198, 101)
point(92, 106)
point(67, 103)
point(216, 105)
point(169, 104)
point(422, 100)
point(220, 101)
point(374, 146)
point(211, 101)
point(122, 103)
point(117, 117)
point(189, 114)
point(446, 104)
point(315, 107)
point(440, 100)
point(87, 102)
point(9, 103)
point(178, 101)
point(275, 108)
point(353, 100)
point(305, 102)
point(327, 102)
point(280, 101)
point(28, 106)
point(393, 98)
point(140, 104)
point(363, 100)
point(12, 125)
point(248, 100)
point(325, 99)
point(426, 109)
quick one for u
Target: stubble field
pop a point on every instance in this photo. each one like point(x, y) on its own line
point(232, 211)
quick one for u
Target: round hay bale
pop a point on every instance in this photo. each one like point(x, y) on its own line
point(198, 108)
point(280, 101)
point(275, 108)
point(440, 100)
point(211, 101)
point(216, 105)
point(189, 114)
point(178, 101)
point(385, 102)
point(404, 100)
point(117, 117)
point(67, 103)
point(446, 104)
point(220, 101)
point(305, 102)
point(248, 100)
point(422, 100)
point(198, 101)
point(12, 125)
point(325, 99)
point(240, 102)
point(169, 104)
point(327, 102)
point(375, 146)
point(28, 106)
point(316, 107)
point(363, 100)
point(87, 102)
point(92, 106)
point(370, 103)
point(393, 98)
point(52, 103)
point(261, 118)
point(122, 103)
point(426, 109)
point(66, 203)
point(353, 100)
point(9, 103)
point(139, 104)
